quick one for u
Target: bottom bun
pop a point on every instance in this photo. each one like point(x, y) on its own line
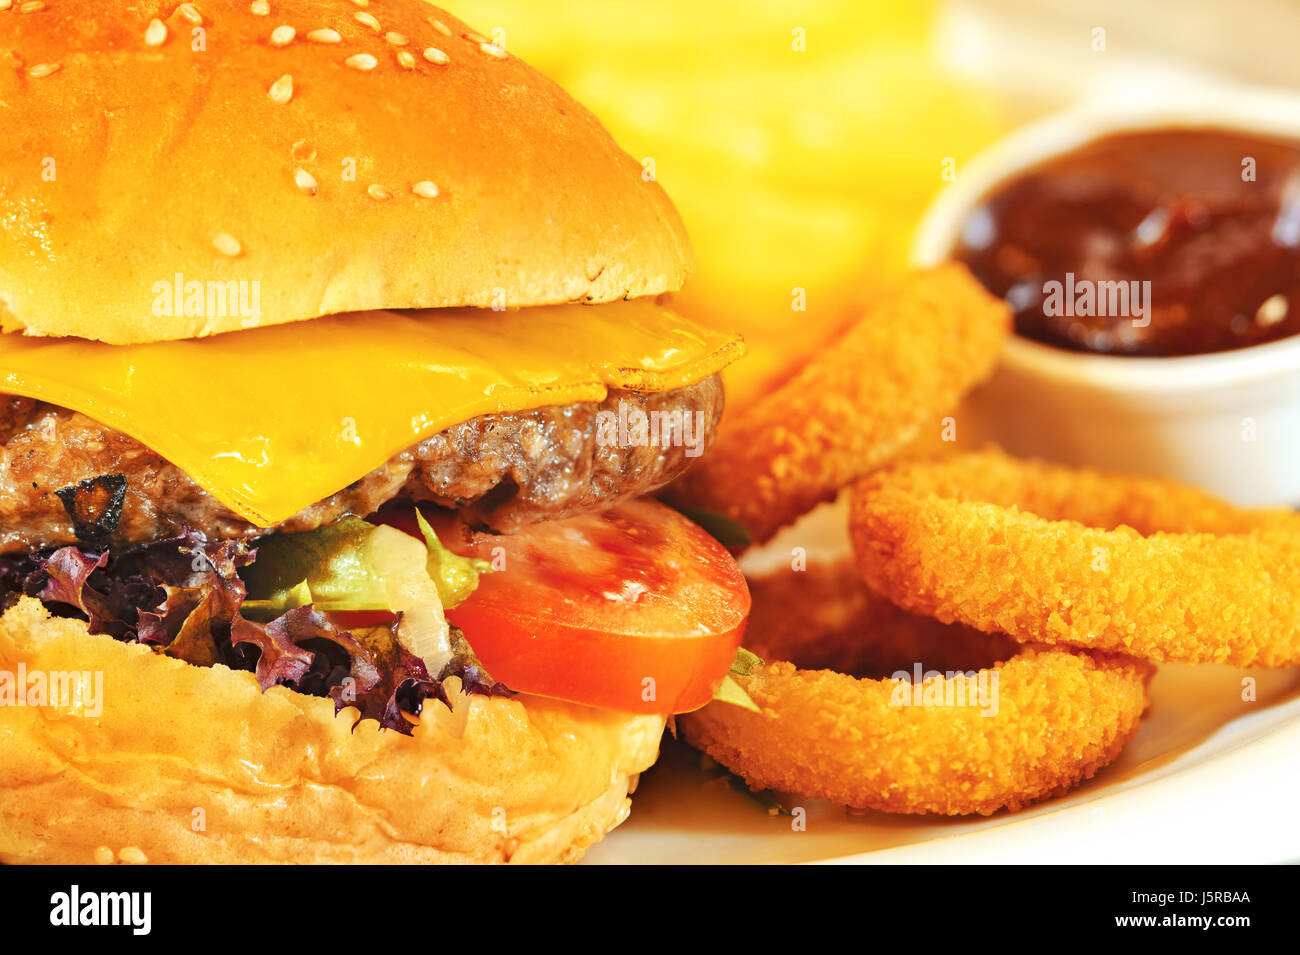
point(173, 763)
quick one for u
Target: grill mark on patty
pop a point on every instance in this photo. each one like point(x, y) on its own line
point(502, 470)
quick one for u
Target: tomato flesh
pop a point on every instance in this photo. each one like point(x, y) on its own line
point(635, 608)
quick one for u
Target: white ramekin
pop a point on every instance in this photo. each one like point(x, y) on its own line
point(1228, 422)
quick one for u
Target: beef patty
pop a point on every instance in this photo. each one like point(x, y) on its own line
point(66, 478)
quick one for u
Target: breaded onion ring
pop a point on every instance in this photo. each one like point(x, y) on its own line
point(896, 370)
point(1061, 716)
point(1055, 555)
point(825, 618)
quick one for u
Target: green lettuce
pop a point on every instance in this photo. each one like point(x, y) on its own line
point(742, 664)
point(327, 568)
point(456, 577)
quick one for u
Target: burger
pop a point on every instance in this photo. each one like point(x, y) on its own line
point(337, 370)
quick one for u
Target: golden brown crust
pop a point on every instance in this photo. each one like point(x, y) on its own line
point(1055, 718)
point(1050, 554)
point(825, 618)
point(898, 369)
point(188, 764)
point(1040, 721)
point(179, 150)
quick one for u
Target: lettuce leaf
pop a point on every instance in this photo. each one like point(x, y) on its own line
point(183, 597)
point(325, 567)
point(456, 577)
point(742, 664)
point(328, 569)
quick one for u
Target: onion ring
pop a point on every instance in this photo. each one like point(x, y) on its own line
point(825, 618)
point(1048, 554)
point(855, 405)
point(1061, 715)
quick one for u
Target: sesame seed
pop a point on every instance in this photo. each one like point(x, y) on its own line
point(189, 13)
point(441, 27)
point(103, 854)
point(435, 55)
point(281, 90)
point(377, 191)
point(305, 181)
point(283, 35)
point(302, 151)
point(6, 4)
point(425, 189)
point(492, 50)
point(324, 36)
point(227, 244)
point(130, 855)
point(156, 35)
point(405, 60)
point(32, 6)
point(43, 69)
point(397, 39)
point(362, 3)
point(367, 19)
point(362, 61)
point(260, 8)
point(478, 37)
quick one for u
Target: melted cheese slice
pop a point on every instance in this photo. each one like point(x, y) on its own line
point(274, 419)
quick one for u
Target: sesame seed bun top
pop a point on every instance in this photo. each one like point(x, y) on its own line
point(343, 155)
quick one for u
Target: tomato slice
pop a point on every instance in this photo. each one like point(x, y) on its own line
point(634, 608)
